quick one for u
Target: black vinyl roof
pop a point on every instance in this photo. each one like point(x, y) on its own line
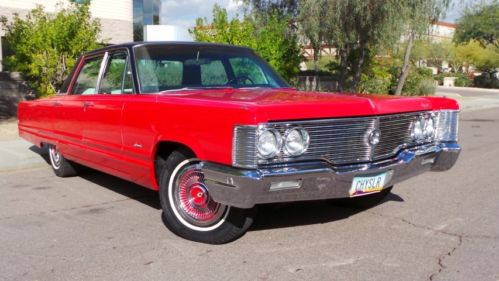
point(130, 45)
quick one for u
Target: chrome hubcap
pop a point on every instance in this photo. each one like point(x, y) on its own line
point(192, 200)
point(55, 157)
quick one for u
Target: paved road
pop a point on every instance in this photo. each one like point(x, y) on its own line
point(439, 226)
point(468, 91)
point(471, 98)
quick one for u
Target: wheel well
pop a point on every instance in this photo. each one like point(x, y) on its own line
point(164, 150)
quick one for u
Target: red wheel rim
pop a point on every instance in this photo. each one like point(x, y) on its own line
point(193, 200)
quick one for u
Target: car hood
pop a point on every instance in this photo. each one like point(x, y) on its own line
point(290, 104)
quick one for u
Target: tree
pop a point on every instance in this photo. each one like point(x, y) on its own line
point(474, 54)
point(418, 14)
point(357, 28)
point(45, 46)
point(313, 25)
point(481, 24)
point(267, 34)
point(282, 8)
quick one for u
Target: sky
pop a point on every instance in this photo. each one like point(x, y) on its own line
point(184, 12)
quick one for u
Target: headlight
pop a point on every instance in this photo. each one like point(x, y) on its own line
point(424, 128)
point(417, 131)
point(429, 128)
point(269, 143)
point(296, 141)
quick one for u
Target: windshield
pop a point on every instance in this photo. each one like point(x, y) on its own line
point(164, 67)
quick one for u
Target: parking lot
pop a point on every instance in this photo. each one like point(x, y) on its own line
point(438, 226)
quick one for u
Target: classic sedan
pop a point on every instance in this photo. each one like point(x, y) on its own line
point(217, 132)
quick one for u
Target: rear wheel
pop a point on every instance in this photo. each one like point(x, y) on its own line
point(61, 166)
point(363, 202)
point(188, 209)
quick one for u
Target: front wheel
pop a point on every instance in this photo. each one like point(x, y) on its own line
point(188, 209)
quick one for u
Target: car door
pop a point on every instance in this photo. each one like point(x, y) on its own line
point(68, 107)
point(102, 113)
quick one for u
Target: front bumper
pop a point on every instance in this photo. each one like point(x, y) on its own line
point(319, 180)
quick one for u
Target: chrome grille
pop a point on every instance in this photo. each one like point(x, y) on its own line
point(344, 140)
point(395, 134)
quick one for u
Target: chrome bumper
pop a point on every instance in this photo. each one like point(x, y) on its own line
point(319, 180)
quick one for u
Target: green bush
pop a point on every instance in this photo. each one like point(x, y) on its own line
point(487, 80)
point(462, 80)
point(378, 80)
point(45, 45)
point(419, 82)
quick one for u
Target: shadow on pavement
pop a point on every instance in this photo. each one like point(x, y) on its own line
point(269, 216)
point(305, 213)
point(123, 187)
point(43, 152)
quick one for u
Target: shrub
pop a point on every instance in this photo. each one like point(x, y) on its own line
point(378, 80)
point(45, 45)
point(462, 79)
point(487, 80)
point(419, 82)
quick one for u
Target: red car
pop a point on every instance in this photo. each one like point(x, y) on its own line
point(216, 131)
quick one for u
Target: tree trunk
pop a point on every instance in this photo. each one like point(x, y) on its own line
point(405, 67)
point(316, 67)
point(343, 54)
point(359, 67)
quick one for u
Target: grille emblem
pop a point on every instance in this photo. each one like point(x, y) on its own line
point(373, 137)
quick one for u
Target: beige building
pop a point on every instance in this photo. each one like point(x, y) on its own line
point(116, 16)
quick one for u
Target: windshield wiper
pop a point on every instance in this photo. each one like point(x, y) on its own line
point(195, 88)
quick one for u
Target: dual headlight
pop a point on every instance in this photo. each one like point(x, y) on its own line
point(436, 126)
point(424, 128)
point(271, 143)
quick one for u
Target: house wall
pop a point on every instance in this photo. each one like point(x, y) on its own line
point(116, 16)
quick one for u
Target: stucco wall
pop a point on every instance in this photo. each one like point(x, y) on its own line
point(115, 15)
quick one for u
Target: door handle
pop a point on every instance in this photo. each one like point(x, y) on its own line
point(56, 103)
point(88, 104)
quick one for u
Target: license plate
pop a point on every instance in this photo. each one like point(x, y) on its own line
point(367, 184)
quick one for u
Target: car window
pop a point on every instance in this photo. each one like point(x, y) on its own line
point(112, 81)
point(158, 75)
point(213, 73)
point(128, 82)
point(247, 71)
point(86, 82)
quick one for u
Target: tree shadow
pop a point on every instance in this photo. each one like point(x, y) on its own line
point(12, 91)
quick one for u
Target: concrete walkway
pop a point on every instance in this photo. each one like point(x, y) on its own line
point(19, 154)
